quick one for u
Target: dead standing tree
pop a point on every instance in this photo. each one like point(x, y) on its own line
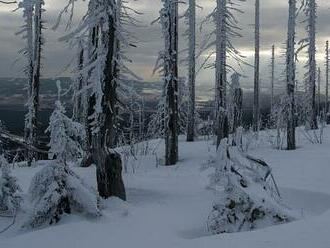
point(32, 33)
point(191, 34)
point(291, 76)
point(101, 25)
point(167, 65)
point(256, 107)
point(226, 29)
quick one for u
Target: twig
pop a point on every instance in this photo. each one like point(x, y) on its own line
point(11, 2)
point(11, 224)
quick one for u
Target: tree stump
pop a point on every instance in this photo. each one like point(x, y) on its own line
point(109, 176)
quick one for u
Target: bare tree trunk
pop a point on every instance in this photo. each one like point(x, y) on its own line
point(272, 80)
point(79, 84)
point(256, 107)
point(221, 128)
point(312, 111)
point(28, 135)
point(237, 102)
point(319, 91)
point(290, 76)
point(192, 70)
point(34, 97)
point(171, 139)
point(327, 82)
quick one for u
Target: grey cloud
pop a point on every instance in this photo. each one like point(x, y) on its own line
point(273, 31)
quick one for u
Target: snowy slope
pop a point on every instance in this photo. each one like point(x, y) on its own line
point(168, 207)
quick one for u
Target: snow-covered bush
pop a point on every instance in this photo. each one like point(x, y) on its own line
point(66, 136)
point(10, 198)
point(250, 198)
point(57, 190)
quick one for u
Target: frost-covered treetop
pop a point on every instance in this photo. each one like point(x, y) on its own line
point(65, 135)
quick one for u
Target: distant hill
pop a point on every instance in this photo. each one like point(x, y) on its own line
point(13, 98)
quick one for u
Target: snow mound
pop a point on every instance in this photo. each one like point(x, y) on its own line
point(57, 190)
point(250, 199)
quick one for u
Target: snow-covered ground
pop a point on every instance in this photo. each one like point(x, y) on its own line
point(168, 207)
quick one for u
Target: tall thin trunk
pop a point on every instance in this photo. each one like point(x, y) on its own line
point(291, 76)
point(171, 137)
point(220, 72)
point(319, 91)
point(311, 87)
point(30, 71)
point(192, 70)
point(327, 82)
point(272, 81)
point(79, 84)
point(256, 107)
point(35, 84)
point(237, 101)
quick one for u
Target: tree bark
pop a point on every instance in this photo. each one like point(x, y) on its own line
point(109, 166)
point(272, 80)
point(192, 70)
point(312, 111)
point(256, 107)
point(171, 139)
point(327, 83)
point(222, 127)
point(290, 76)
point(35, 67)
point(79, 84)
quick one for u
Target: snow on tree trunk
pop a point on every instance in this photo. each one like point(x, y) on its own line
point(236, 105)
point(250, 199)
point(226, 29)
point(221, 71)
point(191, 70)
point(256, 107)
point(169, 20)
point(291, 76)
point(78, 108)
point(109, 178)
point(89, 97)
point(327, 82)
point(32, 13)
point(311, 66)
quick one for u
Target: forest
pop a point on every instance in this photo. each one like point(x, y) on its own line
point(104, 157)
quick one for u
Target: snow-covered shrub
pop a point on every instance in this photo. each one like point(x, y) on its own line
point(250, 198)
point(278, 121)
point(66, 136)
point(57, 190)
point(10, 198)
point(315, 136)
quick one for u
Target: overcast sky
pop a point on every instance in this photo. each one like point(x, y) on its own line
point(273, 31)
